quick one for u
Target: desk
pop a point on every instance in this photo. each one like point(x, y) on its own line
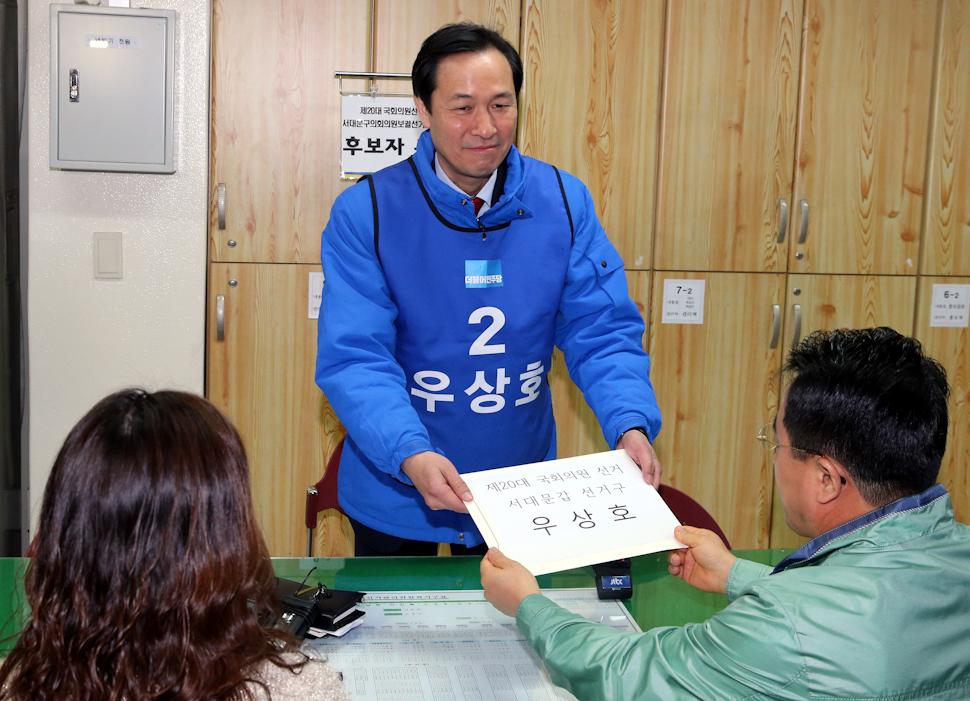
point(658, 598)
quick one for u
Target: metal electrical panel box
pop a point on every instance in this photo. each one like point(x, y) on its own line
point(112, 89)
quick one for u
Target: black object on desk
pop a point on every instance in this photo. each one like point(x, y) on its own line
point(316, 606)
point(614, 579)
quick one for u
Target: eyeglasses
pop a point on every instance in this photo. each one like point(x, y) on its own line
point(769, 444)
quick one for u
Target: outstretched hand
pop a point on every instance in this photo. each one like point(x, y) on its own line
point(506, 582)
point(438, 481)
point(638, 447)
point(705, 564)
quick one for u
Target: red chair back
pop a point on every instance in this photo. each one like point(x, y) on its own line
point(326, 490)
point(689, 512)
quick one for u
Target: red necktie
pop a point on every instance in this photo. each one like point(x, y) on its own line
point(478, 202)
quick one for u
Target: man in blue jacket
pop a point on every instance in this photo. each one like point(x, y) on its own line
point(450, 277)
point(874, 607)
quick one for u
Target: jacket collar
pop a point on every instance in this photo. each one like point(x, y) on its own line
point(890, 531)
point(447, 203)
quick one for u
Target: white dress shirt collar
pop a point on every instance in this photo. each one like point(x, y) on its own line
point(485, 193)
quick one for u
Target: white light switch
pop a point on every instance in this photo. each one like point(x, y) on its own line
point(107, 255)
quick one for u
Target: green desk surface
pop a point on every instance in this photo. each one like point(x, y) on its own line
point(658, 598)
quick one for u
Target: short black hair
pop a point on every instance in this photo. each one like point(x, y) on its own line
point(460, 38)
point(870, 399)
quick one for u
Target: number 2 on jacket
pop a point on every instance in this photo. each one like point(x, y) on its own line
point(481, 346)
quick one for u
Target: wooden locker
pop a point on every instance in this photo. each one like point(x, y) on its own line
point(946, 244)
point(728, 135)
point(717, 386)
point(276, 123)
point(862, 136)
point(402, 25)
point(840, 301)
point(261, 377)
point(591, 106)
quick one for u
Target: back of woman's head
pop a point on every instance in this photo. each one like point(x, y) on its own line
point(147, 559)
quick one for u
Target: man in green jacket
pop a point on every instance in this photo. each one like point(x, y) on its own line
point(876, 606)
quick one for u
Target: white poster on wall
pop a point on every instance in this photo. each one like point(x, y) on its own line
point(376, 132)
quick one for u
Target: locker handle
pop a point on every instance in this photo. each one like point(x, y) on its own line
point(776, 325)
point(221, 205)
point(220, 317)
point(798, 324)
point(782, 220)
point(803, 232)
point(74, 90)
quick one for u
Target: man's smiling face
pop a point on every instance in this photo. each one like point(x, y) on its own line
point(473, 116)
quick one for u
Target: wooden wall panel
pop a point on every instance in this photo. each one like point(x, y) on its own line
point(863, 130)
point(841, 301)
point(276, 122)
point(728, 134)
point(951, 346)
point(261, 377)
point(591, 106)
point(716, 383)
point(402, 25)
point(850, 301)
point(577, 430)
point(946, 246)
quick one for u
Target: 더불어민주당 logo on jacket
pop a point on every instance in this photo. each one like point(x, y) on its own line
point(483, 273)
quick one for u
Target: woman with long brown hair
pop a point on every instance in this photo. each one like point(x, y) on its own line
point(150, 568)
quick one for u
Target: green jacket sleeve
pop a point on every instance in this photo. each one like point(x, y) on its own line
point(743, 573)
point(747, 651)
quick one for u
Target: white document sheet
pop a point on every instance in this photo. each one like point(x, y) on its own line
point(451, 646)
point(560, 514)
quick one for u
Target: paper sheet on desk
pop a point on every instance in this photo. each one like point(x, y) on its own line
point(417, 645)
point(560, 514)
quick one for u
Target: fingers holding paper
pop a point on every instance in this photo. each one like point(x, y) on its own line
point(638, 447)
point(705, 564)
point(506, 582)
point(438, 481)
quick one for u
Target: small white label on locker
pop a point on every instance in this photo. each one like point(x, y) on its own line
point(316, 294)
point(683, 302)
point(951, 306)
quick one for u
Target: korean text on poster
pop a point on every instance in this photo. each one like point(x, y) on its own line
point(560, 514)
point(376, 132)
point(951, 306)
point(683, 302)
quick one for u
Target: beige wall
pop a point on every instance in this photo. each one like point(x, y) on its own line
point(87, 337)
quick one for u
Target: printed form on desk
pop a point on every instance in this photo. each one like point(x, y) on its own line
point(452, 646)
point(556, 515)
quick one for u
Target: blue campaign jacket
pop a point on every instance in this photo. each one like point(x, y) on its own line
point(436, 331)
